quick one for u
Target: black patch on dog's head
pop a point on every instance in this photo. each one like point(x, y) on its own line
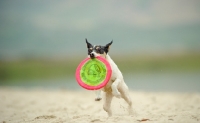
point(99, 49)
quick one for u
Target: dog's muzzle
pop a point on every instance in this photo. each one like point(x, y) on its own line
point(92, 55)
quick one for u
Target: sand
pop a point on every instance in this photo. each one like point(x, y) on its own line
point(19, 105)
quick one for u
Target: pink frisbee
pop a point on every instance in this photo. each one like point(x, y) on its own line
point(93, 74)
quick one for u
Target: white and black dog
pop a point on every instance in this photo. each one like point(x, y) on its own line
point(116, 85)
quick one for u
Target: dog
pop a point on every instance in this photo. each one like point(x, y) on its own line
point(116, 87)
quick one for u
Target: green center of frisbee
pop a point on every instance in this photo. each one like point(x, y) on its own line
point(93, 72)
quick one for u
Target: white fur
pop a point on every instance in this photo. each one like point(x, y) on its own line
point(115, 87)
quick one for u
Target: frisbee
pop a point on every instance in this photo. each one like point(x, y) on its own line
point(93, 74)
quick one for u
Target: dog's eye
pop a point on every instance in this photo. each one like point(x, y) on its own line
point(100, 50)
point(97, 48)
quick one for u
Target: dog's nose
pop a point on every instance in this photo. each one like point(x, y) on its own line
point(91, 55)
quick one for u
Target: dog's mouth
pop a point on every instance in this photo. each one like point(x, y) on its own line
point(94, 55)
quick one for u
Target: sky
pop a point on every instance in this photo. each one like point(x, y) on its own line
point(57, 29)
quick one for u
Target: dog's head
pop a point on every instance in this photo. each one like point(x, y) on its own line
point(97, 50)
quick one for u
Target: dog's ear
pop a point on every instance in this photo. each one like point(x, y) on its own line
point(107, 47)
point(88, 44)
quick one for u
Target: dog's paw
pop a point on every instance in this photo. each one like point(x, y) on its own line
point(98, 99)
point(117, 94)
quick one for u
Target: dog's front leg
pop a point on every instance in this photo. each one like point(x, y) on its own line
point(98, 95)
point(114, 87)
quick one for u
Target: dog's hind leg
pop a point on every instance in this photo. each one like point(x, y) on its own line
point(125, 95)
point(107, 103)
point(114, 87)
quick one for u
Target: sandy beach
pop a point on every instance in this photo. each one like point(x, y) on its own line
point(64, 106)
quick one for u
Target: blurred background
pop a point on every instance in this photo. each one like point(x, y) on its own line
point(156, 43)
